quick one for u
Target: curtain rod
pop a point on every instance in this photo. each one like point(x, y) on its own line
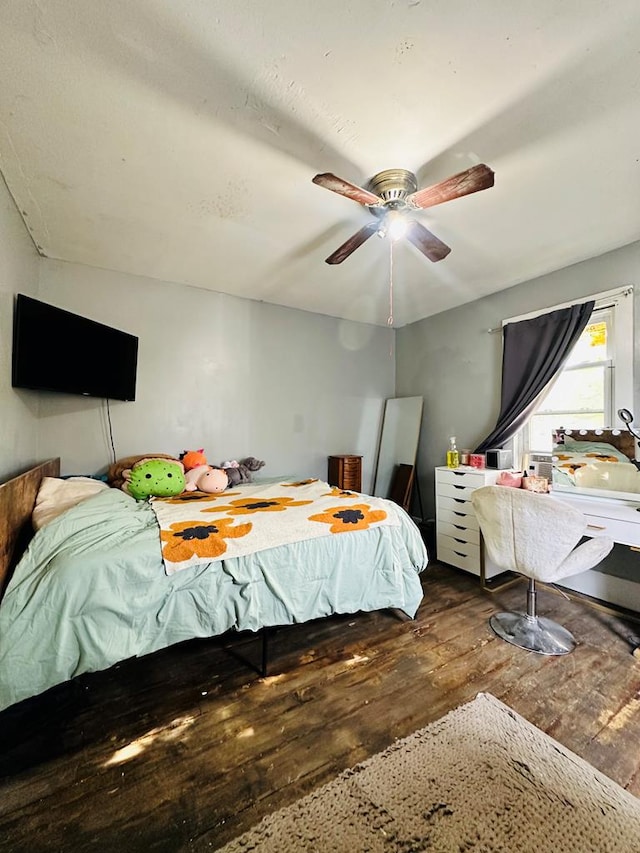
point(627, 291)
point(599, 308)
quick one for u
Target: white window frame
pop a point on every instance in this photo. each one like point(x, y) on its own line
point(620, 386)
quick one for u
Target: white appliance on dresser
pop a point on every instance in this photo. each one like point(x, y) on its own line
point(458, 538)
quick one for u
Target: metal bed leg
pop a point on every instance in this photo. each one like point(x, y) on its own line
point(264, 670)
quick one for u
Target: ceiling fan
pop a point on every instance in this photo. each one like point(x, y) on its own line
point(392, 195)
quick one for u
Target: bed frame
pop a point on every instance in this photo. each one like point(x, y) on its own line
point(17, 499)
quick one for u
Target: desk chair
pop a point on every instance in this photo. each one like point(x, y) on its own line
point(536, 536)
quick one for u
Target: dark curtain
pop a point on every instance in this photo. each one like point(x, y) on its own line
point(534, 351)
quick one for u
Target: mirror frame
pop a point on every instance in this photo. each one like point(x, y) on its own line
point(399, 439)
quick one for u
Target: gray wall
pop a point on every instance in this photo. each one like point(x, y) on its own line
point(236, 377)
point(453, 362)
point(245, 378)
point(18, 272)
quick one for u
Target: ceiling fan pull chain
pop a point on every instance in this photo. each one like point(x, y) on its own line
point(390, 317)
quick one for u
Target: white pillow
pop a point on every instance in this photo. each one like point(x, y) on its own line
point(55, 496)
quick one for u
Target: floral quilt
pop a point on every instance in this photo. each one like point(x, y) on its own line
point(198, 528)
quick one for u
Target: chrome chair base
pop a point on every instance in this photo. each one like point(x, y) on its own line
point(534, 633)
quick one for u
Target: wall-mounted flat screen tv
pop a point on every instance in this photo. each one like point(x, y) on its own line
point(55, 350)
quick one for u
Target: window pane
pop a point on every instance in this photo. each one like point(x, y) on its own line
point(592, 345)
point(541, 427)
point(577, 390)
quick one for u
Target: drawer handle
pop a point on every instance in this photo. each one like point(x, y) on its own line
point(459, 513)
point(459, 500)
point(458, 487)
point(459, 473)
point(459, 527)
point(596, 527)
point(460, 554)
point(463, 541)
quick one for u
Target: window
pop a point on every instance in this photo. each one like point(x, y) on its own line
point(595, 382)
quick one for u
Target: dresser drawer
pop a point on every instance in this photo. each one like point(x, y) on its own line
point(459, 532)
point(625, 532)
point(454, 490)
point(462, 477)
point(458, 513)
point(462, 555)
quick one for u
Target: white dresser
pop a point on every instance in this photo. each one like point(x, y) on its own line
point(458, 538)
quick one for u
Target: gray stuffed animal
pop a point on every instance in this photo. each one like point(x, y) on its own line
point(251, 464)
point(241, 472)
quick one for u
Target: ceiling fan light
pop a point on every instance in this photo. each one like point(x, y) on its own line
point(397, 226)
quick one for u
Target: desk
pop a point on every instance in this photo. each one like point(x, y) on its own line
point(620, 520)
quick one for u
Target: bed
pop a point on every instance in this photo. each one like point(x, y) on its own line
point(601, 460)
point(93, 587)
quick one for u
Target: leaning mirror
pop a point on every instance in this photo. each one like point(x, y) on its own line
point(398, 440)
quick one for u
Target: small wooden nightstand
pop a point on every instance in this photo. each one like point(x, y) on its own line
point(345, 472)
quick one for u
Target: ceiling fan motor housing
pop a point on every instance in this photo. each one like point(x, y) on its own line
point(393, 186)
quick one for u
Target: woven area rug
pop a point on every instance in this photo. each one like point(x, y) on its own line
point(480, 779)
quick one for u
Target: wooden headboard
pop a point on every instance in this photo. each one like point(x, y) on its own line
point(620, 439)
point(17, 499)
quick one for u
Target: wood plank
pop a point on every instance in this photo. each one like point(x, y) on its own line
point(186, 748)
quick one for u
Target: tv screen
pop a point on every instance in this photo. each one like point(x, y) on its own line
point(55, 350)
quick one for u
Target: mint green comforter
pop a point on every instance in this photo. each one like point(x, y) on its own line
point(92, 590)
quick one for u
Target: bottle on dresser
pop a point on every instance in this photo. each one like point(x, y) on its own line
point(453, 457)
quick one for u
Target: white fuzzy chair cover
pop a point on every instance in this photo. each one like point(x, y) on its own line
point(535, 535)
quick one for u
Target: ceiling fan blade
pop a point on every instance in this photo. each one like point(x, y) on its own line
point(352, 243)
point(472, 180)
point(427, 242)
point(342, 187)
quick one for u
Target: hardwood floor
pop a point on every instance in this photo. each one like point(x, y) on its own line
point(187, 748)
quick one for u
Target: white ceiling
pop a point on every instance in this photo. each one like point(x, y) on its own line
point(177, 139)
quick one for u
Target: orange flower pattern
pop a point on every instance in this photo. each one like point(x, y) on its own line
point(301, 483)
point(572, 468)
point(340, 493)
point(196, 497)
point(354, 517)
point(568, 464)
point(187, 539)
point(195, 530)
point(248, 506)
point(602, 457)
